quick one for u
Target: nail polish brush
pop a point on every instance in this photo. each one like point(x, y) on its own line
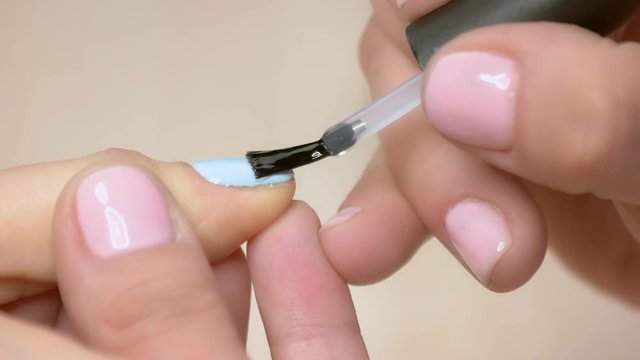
point(426, 36)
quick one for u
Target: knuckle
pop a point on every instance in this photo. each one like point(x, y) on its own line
point(590, 150)
point(377, 49)
point(585, 159)
point(413, 10)
point(117, 156)
point(120, 155)
point(181, 166)
point(593, 141)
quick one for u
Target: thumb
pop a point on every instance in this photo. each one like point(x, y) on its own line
point(552, 103)
point(132, 276)
point(29, 195)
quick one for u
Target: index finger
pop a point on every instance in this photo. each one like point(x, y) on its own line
point(305, 305)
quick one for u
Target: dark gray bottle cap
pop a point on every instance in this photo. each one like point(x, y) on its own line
point(429, 33)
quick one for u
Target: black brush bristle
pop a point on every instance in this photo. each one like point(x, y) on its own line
point(265, 163)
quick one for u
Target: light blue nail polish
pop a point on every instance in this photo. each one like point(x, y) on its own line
point(236, 172)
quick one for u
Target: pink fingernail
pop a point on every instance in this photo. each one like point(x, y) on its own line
point(341, 217)
point(120, 209)
point(401, 3)
point(470, 97)
point(480, 234)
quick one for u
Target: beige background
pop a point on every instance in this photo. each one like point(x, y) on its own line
point(188, 80)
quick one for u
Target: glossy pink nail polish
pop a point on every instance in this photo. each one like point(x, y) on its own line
point(480, 234)
point(341, 217)
point(470, 97)
point(121, 209)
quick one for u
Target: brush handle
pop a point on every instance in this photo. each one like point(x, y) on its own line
point(375, 117)
point(429, 33)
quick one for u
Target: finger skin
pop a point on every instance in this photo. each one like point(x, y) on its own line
point(157, 302)
point(576, 125)
point(413, 10)
point(42, 308)
point(390, 17)
point(29, 194)
point(381, 237)
point(20, 340)
point(590, 237)
point(232, 281)
point(234, 285)
point(305, 305)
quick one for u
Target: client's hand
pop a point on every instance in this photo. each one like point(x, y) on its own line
point(221, 217)
point(134, 281)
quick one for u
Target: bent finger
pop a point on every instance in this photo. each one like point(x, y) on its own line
point(376, 231)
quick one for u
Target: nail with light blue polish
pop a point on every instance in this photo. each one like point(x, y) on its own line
point(236, 172)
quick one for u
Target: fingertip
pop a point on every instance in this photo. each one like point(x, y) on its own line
point(305, 305)
point(371, 246)
point(224, 217)
point(299, 217)
point(520, 263)
point(502, 242)
point(376, 231)
point(293, 233)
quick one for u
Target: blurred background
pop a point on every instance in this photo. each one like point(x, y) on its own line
point(196, 79)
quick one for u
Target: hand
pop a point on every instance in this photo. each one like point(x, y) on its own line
point(548, 151)
point(140, 285)
point(29, 195)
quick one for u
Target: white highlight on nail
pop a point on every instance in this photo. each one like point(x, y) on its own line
point(101, 193)
point(118, 229)
point(502, 81)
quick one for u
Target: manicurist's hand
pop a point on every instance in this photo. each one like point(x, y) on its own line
point(529, 132)
point(134, 279)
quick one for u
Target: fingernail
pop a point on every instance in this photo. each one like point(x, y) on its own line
point(401, 3)
point(342, 216)
point(480, 234)
point(236, 172)
point(120, 209)
point(470, 97)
